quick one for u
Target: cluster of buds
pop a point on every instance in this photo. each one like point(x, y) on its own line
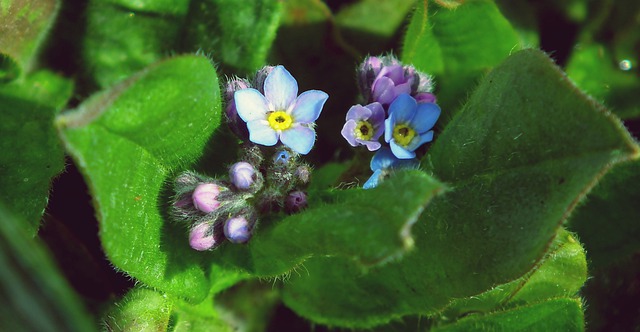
point(399, 103)
point(262, 111)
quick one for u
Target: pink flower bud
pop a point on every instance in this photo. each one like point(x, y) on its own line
point(295, 202)
point(205, 197)
point(203, 237)
point(242, 175)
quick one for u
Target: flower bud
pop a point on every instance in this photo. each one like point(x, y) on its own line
point(238, 229)
point(242, 175)
point(205, 197)
point(303, 173)
point(205, 236)
point(425, 97)
point(234, 85)
point(261, 76)
point(367, 73)
point(296, 201)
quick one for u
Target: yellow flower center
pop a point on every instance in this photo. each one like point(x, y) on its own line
point(364, 130)
point(280, 120)
point(403, 134)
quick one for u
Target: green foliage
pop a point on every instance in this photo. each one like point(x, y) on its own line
point(128, 147)
point(31, 154)
point(35, 295)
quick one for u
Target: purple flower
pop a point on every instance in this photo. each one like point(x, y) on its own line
point(280, 114)
point(205, 197)
point(205, 236)
point(409, 125)
point(364, 126)
point(238, 229)
point(382, 163)
point(242, 175)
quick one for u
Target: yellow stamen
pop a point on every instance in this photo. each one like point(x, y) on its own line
point(403, 134)
point(280, 120)
point(364, 130)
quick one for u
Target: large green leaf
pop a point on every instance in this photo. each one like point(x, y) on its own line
point(551, 315)
point(35, 296)
point(128, 141)
point(457, 45)
point(355, 226)
point(521, 154)
point(140, 310)
point(237, 34)
point(31, 153)
point(23, 28)
point(122, 37)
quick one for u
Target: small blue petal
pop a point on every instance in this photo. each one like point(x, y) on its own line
point(308, 106)
point(403, 109)
point(373, 181)
point(400, 152)
point(250, 105)
point(261, 133)
point(280, 89)
point(299, 138)
point(348, 132)
point(425, 117)
point(384, 158)
point(388, 128)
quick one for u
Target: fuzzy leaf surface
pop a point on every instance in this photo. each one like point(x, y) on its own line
point(128, 141)
point(524, 150)
point(31, 152)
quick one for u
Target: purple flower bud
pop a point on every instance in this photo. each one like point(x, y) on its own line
point(238, 229)
point(295, 202)
point(367, 73)
point(303, 173)
point(236, 124)
point(205, 197)
point(242, 175)
point(205, 236)
point(234, 85)
point(261, 76)
point(425, 97)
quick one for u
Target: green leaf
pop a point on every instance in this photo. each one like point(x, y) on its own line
point(23, 27)
point(248, 306)
point(120, 41)
point(552, 315)
point(561, 273)
point(522, 153)
point(140, 310)
point(608, 223)
point(128, 141)
point(35, 295)
point(32, 154)
point(238, 34)
point(354, 226)
point(457, 46)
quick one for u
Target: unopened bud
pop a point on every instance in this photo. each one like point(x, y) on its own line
point(238, 229)
point(303, 173)
point(296, 201)
point(242, 175)
point(205, 236)
point(261, 76)
point(205, 197)
point(234, 85)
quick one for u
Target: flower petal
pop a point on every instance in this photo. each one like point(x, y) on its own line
point(426, 116)
point(308, 106)
point(403, 109)
point(299, 138)
point(250, 105)
point(384, 158)
point(371, 145)
point(348, 132)
point(374, 180)
point(400, 152)
point(388, 128)
point(377, 113)
point(261, 133)
point(383, 90)
point(422, 139)
point(280, 89)
point(358, 112)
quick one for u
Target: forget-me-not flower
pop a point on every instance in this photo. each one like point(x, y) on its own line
point(409, 125)
point(364, 126)
point(280, 114)
point(382, 163)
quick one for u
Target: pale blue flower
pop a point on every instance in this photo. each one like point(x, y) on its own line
point(409, 125)
point(382, 163)
point(280, 114)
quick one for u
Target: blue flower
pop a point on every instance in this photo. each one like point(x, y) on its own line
point(280, 114)
point(382, 163)
point(409, 125)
